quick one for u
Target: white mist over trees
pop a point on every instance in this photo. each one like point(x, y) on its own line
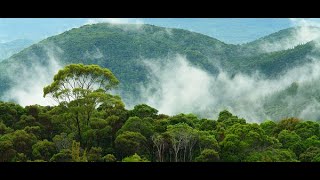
point(177, 86)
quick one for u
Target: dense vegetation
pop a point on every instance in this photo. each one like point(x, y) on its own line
point(91, 125)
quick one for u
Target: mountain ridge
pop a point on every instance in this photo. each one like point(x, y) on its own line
point(123, 48)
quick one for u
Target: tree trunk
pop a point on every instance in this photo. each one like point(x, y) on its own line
point(176, 156)
point(78, 125)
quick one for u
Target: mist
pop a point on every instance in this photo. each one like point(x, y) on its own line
point(176, 86)
point(29, 81)
point(305, 31)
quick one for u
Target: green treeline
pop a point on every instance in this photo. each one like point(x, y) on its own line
point(91, 125)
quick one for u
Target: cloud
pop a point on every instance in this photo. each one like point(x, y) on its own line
point(176, 86)
point(115, 21)
point(305, 31)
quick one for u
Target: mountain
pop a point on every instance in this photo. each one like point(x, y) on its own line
point(124, 49)
point(283, 39)
point(9, 48)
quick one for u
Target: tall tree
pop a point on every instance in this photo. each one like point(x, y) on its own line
point(81, 88)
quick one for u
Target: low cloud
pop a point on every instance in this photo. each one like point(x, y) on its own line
point(176, 86)
point(306, 30)
point(29, 81)
point(115, 21)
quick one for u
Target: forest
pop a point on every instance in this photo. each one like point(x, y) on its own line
point(90, 124)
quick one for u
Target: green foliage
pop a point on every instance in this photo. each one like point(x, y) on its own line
point(134, 158)
point(273, 155)
point(95, 154)
point(288, 124)
point(63, 141)
point(65, 155)
point(243, 139)
point(82, 88)
point(310, 154)
point(43, 150)
point(76, 154)
point(143, 111)
point(135, 124)
point(228, 119)
point(7, 151)
point(128, 143)
point(10, 113)
point(4, 129)
point(208, 155)
point(269, 127)
point(288, 139)
point(307, 129)
point(109, 158)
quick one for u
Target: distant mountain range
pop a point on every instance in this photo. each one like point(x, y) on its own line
point(9, 48)
point(123, 48)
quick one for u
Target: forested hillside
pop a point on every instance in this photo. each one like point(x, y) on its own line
point(125, 49)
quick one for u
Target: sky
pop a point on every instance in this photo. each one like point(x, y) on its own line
point(229, 30)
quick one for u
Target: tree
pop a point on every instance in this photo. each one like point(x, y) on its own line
point(208, 125)
point(311, 141)
point(128, 143)
point(182, 137)
point(65, 155)
point(272, 155)
point(99, 134)
point(4, 129)
point(95, 154)
point(316, 158)
point(288, 124)
point(81, 88)
point(115, 123)
point(307, 129)
point(135, 124)
point(207, 141)
point(135, 158)
point(23, 141)
point(7, 151)
point(143, 111)
point(288, 139)
point(43, 150)
point(109, 158)
point(10, 113)
point(224, 115)
point(242, 139)
point(269, 127)
point(208, 155)
point(76, 153)
point(228, 119)
point(161, 145)
point(63, 141)
point(189, 119)
point(309, 154)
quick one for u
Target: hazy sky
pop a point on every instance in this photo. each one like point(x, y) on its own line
point(229, 30)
